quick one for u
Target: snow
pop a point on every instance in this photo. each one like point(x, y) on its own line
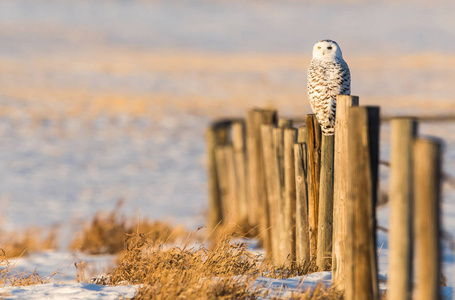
point(108, 100)
point(285, 287)
point(60, 265)
point(59, 268)
point(69, 291)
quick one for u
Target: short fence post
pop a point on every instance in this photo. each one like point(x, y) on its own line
point(252, 151)
point(284, 123)
point(289, 198)
point(259, 210)
point(302, 244)
point(339, 189)
point(223, 182)
point(278, 142)
point(427, 193)
point(215, 135)
point(314, 159)
point(363, 142)
point(325, 218)
point(271, 174)
point(238, 142)
point(233, 199)
point(302, 136)
point(403, 133)
point(225, 162)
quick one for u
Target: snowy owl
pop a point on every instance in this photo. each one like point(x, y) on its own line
point(328, 76)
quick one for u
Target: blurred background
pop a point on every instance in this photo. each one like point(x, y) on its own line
point(102, 101)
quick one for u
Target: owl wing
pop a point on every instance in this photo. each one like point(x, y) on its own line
point(338, 81)
point(326, 80)
point(343, 78)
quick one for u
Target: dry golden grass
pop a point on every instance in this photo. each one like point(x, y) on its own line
point(240, 229)
point(225, 271)
point(187, 272)
point(8, 276)
point(31, 240)
point(292, 270)
point(106, 233)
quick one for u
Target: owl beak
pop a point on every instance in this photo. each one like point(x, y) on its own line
point(323, 52)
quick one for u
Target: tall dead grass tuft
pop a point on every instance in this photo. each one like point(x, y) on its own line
point(16, 244)
point(241, 229)
point(226, 271)
point(106, 233)
point(319, 293)
point(289, 270)
point(9, 277)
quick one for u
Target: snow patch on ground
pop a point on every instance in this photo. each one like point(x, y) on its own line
point(68, 291)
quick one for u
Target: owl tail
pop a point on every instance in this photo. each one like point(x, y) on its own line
point(327, 130)
point(327, 124)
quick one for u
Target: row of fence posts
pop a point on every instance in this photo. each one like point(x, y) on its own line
point(313, 197)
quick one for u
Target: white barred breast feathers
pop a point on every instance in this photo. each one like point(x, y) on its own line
point(328, 76)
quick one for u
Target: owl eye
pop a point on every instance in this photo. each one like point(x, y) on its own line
point(329, 47)
point(319, 47)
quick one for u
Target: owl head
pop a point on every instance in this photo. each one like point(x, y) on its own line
point(327, 50)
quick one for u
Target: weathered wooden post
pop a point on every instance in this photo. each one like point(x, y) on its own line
point(215, 135)
point(401, 197)
point(363, 156)
point(271, 173)
point(325, 218)
point(427, 193)
point(289, 194)
point(224, 162)
point(340, 190)
point(302, 136)
point(252, 166)
point(222, 181)
point(284, 123)
point(259, 209)
point(238, 142)
point(302, 244)
point(232, 181)
point(278, 156)
point(314, 159)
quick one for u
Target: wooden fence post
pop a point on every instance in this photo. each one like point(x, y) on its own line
point(271, 173)
point(314, 159)
point(302, 244)
point(215, 135)
point(227, 181)
point(232, 180)
point(259, 209)
point(339, 189)
point(325, 218)
point(285, 123)
point(223, 182)
point(427, 193)
point(403, 133)
point(253, 165)
point(289, 197)
point(238, 142)
point(302, 136)
point(278, 142)
point(363, 156)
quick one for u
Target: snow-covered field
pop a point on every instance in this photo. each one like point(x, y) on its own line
point(107, 100)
